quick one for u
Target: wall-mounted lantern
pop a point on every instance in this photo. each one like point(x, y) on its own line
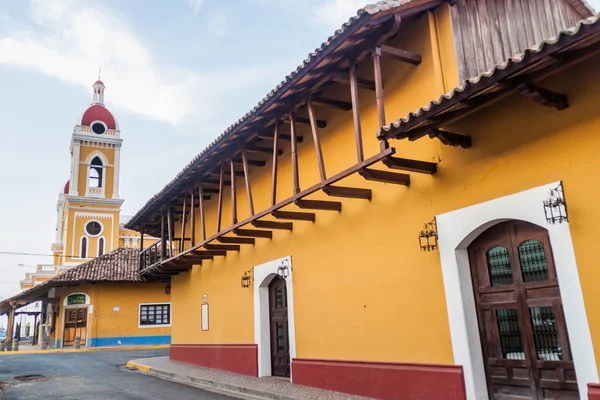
point(555, 206)
point(284, 269)
point(428, 237)
point(168, 288)
point(247, 279)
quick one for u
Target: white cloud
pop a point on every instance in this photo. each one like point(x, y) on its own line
point(70, 40)
point(217, 25)
point(195, 6)
point(336, 12)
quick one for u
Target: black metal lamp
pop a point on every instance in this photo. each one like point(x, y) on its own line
point(247, 279)
point(555, 206)
point(283, 269)
point(168, 288)
point(428, 237)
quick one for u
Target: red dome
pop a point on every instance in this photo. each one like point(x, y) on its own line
point(98, 113)
point(98, 82)
point(66, 191)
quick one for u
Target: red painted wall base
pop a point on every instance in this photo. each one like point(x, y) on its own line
point(238, 358)
point(382, 380)
point(593, 391)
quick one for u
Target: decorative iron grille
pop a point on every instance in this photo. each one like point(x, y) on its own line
point(498, 260)
point(545, 334)
point(510, 334)
point(533, 261)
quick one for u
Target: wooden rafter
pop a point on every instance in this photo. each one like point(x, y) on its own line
point(295, 175)
point(183, 221)
point(340, 77)
point(356, 111)
point(163, 240)
point(255, 163)
point(220, 202)
point(543, 96)
point(282, 136)
point(215, 253)
point(234, 218)
point(385, 176)
point(339, 104)
point(201, 209)
point(306, 121)
point(275, 162)
point(400, 55)
point(252, 148)
point(316, 139)
point(193, 219)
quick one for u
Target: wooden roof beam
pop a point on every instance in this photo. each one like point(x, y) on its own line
point(306, 121)
point(236, 240)
point(348, 192)
point(251, 148)
point(273, 225)
point(294, 215)
point(255, 163)
point(405, 164)
point(319, 205)
point(344, 78)
point(253, 233)
point(544, 97)
point(339, 104)
point(282, 136)
point(385, 176)
point(400, 55)
point(226, 247)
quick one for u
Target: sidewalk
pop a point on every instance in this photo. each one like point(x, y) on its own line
point(36, 349)
point(231, 384)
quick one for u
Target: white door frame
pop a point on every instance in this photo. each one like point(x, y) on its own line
point(457, 230)
point(263, 275)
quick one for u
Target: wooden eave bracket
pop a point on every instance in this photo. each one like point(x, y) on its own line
point(226, 247)
point(288, 226)
point(451, 139)
point(294, 215)
point(543, 96)
point(404, 164)
point(348, 192)
point(236, 240)
point(253, 233)
point(385, 176)
point(319, 205)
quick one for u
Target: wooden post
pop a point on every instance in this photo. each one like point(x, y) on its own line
point(10, 327)
point(220, 203)
point(275, 162)
point(379, 92)
point(35, 336)
point(247, 179)
point(356, 112)
point(234, 219)
point(201, 206)
point(182, 241)
point(294, 152)
point(170, 230)
point(141, 238)
point(163, 241)
point(192, 221)
point(315, 134)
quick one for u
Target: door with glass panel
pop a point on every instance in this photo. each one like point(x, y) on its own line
point(521, 321)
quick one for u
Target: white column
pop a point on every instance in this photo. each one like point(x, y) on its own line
point(75, 171)
point(116, 173)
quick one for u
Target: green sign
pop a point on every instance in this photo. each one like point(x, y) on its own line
point(76, 299)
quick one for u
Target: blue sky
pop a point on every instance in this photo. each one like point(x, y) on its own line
point(177, 74)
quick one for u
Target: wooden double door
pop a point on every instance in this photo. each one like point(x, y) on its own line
point(75, 325)
point(278, 310)
point(521, 321)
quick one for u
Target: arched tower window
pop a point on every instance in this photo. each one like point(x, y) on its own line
point(83, 250)
point(96, 173)
point(100, 246)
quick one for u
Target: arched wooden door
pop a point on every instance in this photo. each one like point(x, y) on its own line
point(522, 326)
point(280, 350)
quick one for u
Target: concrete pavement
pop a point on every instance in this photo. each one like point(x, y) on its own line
point(235, 385)
point(88, 376)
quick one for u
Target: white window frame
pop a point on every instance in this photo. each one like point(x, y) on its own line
point(155, 325)
point(85, 232)
point(88, 164)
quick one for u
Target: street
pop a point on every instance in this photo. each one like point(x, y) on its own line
point(88, 375)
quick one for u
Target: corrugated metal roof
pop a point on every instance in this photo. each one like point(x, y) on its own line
point(481, 81)
point(362, 14)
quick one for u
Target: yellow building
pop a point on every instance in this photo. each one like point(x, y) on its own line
point(300, 235)
point(93, 289)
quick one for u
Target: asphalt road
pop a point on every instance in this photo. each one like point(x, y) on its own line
point(91, 375)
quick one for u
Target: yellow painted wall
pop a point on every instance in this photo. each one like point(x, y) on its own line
point(109, 154)
point(104, 322)
point(358, 294)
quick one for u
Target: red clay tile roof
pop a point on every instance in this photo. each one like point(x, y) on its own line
point(121, 265)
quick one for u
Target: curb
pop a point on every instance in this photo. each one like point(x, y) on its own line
point(85, 350)
point(240, 392)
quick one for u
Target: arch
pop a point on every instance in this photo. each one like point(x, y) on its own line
point(94, 154)
point(101, 246)
point(72, 295)
point(457, 230)
point(263, 275)
point(83, 247)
